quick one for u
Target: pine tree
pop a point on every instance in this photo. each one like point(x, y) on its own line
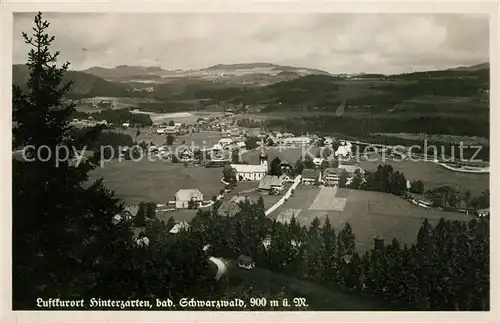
point(64, 241)
point(329, 264)
point(150, 210)
point(348, 240)
point(314, 249)
point(260, 202)
point(140, 217)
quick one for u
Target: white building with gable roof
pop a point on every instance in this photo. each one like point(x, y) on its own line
point(252, 172)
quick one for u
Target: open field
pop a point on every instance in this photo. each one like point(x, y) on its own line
point(201, 139)
point(157, 181)
point(369, 213)
point(327, 201)
point(434, 175)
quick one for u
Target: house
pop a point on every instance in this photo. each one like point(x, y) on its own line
point(184, 196)
point(343, 151)
point(286, 166)
point(249, 172)
point(225, 142)
point(331, 176)
point(246, 262)
point(107, 104)
point(171, 130)
point(270, 183)
point(128, 214)
point(273, 139)
point(179, 226)
point(297, 141)
point(241, 145)
point(235, 132)
point(186, 156)
point(483, 213)
point(311, 176)
point(318, 161)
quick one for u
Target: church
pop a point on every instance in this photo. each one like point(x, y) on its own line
point(252, 172)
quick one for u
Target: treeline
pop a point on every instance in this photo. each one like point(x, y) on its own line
point(169, 106)
point(393, 94)
point(433, 274)
point(116, 116)
point(321, 92)
point(114, 143)
point(365, 126)
point(105, 138)
point(480, 75)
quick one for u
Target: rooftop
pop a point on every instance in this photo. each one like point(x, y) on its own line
point(187, 194)
point(268, 181)
point(242, 168)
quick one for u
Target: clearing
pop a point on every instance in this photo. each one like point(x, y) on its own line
point(369, 213)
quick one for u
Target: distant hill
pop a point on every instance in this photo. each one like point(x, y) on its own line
point(471, 68)
point(126, 72)
point(262, 68)
point(84, 85)
point(229, 74)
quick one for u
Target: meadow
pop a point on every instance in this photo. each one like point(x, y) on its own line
point(369, 213)
point(157, 181)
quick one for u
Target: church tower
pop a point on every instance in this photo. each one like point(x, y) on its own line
point(263, 159)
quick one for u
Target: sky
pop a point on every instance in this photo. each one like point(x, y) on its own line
point(337, 43)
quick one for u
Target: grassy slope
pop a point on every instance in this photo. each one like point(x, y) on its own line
point(265, 282)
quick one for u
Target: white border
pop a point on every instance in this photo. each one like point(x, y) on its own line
point(490, 7)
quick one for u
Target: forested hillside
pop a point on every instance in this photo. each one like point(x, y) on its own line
point(84, 85)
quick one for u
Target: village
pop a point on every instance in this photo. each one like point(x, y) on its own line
point(225, 165)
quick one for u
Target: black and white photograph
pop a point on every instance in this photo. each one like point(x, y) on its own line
point(245, 161)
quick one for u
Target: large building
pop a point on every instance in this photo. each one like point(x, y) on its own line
point(297, 141)
point(251, 172)
point(269, 183)
point(311, 176)
point(184, 196)
point(331, 176)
